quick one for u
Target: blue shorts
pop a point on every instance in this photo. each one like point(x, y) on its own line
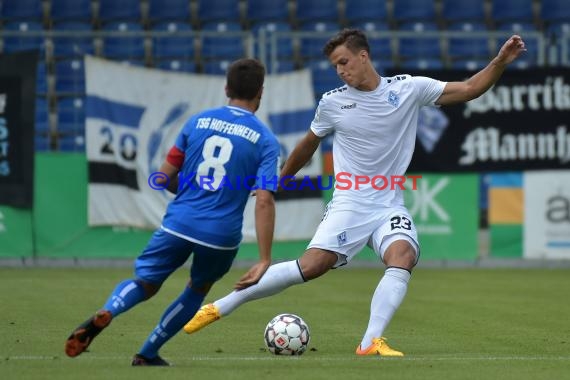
point(165, 253)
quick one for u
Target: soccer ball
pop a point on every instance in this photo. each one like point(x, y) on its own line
point(287, 334)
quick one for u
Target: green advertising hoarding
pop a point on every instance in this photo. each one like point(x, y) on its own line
point(446, 213)
point(16, 233)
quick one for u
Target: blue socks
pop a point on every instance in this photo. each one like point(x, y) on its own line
point(126, 295)
point(172, 321)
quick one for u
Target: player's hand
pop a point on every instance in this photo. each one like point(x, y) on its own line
point(511, 49)
point(252, 276)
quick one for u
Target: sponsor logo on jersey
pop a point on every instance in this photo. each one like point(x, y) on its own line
point(348, 106)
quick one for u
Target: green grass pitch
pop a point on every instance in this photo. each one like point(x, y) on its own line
point(453, 324)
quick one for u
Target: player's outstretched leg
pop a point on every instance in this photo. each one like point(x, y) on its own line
point(84, 334)
point(378, 347)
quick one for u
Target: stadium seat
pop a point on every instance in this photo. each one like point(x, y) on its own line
point(380, 47)
point(555, 11)
point(69, 77)
point(414, 10)
point(422, 64)
point(317, 11)
point(218, 44)
point(42, 116)
point(467, 11)
point(25, 40)
point(177, 65)
point(324, 77)
point(512, 10)
point(42, 142)
point(267, 11)
point(71, 116)
point(72, 45)
point(420, 46)
point(311, 46)
point(216, 67)
point(358, 11)
point(71, 10)
point(284, 45)
point(41, 78)
point(120, 10)
point(469, 64)
point(71, 143)
point(558, 29)
point(469, 46)
point(219, 11)
point(169, 10)
point(170, 45)
point(123, 48)
point(21, 10)
point(284, 67)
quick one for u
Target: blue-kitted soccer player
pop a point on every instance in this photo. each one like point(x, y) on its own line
point(215, 151)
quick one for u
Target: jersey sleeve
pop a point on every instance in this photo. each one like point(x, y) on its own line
point(429, 90)
point(322, 124)
point(268, 171)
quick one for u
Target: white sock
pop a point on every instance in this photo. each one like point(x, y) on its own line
point(387, 297)
point(277, 278)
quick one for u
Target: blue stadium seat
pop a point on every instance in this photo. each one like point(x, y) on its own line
point(317, 10)
point(120, 10)
point(71, 10)
point(512, 10)
point(178, 65)
point(379, 46)
point(267, 11)
point(284, 67)
point(324, 77)
point(420, 46)
point(357, 11)
point(558, 29)
point(222, 45)
point(42, 116)
point(123, 48)
point(71, 116)
point(169, 10)
point(414, 10)
point(69, 77)
point(555, 11)
point(71, 143)
point(216, 67)
point(42, 143)
point(170, 46)
point(469, 64)
point(24, 41)
point(311, 47)
point(283, 44)
point(72, 45)
point(422, 64)
point(21, 10)
point(469, 46)
point(41, 78)
point(468, 10)
point(219, 11)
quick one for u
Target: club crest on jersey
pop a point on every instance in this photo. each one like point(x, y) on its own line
point(393, 99)
point(341, 238)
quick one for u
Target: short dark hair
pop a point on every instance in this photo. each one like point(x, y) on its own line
point(354, 39)
point(245, 78)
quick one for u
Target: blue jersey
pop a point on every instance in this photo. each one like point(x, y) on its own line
point(228, 152)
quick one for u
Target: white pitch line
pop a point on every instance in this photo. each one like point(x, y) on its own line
point(322, 359)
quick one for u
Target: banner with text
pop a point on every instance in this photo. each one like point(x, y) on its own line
point(17, 101)
point(133, 116)
point(519, 124)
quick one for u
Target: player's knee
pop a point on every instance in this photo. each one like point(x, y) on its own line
point(401, 254)
point(315, 263)
point(149, 288)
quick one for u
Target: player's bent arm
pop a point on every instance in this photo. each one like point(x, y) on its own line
point(172, 172)
point(478, 84)
point(301, 154)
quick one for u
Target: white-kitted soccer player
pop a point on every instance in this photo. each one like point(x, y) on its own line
point(374, 120)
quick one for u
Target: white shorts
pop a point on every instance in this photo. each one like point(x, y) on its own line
point(345, 230)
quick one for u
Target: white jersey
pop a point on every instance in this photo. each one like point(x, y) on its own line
point(374, 135)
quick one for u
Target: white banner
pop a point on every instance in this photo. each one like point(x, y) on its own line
point(547, 214)
point(133, 116)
